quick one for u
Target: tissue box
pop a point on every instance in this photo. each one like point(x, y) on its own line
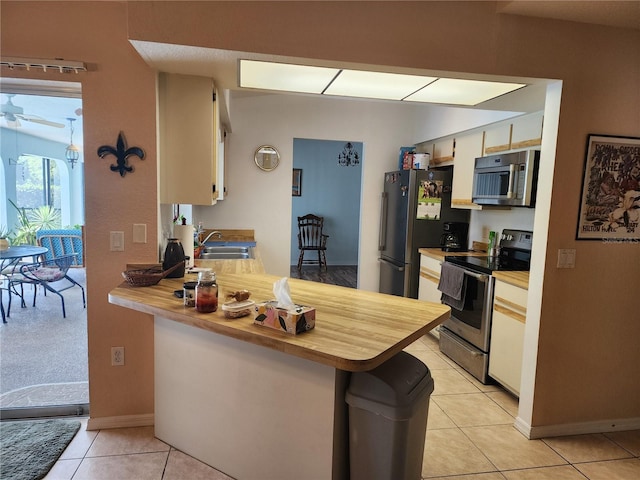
point(294, 321)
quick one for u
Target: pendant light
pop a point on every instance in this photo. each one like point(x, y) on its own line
point(73, 152)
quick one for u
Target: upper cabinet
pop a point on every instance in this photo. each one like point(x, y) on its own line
point(468, 148)
point(515, 134)
point(189, 137)
point(443, 152)
point(461, 150)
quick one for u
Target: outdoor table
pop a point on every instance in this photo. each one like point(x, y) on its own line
point(9, 260)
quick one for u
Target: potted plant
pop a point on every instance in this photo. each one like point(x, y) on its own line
point(4, 241)
point(43, 217)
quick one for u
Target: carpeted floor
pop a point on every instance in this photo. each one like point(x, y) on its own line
point(28, 449)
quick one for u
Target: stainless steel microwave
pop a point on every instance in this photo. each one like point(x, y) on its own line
point(507, 179)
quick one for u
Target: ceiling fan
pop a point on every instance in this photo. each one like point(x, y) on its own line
point(13, 114)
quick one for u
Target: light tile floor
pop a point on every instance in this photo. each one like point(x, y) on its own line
point(470, 436)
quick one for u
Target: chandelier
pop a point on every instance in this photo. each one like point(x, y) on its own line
point(349, 156)
point(73, 152)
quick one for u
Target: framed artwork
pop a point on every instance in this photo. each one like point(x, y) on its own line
point(610, 200)
point(296, 190)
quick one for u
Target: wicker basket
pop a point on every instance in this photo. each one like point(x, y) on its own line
point(148, 276)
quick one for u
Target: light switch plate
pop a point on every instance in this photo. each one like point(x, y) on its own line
point(139, 233)
point(566, 258)
point(116, 241)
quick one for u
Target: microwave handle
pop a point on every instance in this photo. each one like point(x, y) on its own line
point(512, 180)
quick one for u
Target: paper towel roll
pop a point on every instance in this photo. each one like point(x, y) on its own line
point(184, 233)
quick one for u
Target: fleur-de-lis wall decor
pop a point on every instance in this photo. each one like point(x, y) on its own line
point(121, 152)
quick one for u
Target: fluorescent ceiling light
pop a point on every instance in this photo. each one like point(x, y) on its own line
point(285, 77)
point(380, 85)
point(365, 84)
point(462, 92)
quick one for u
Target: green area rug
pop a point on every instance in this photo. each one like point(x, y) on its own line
point(30, 448)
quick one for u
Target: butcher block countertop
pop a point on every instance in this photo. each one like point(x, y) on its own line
point(355, 330)
point(519, 279)
point(438, 254)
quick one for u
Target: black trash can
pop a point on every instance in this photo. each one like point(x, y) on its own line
point(388, 408)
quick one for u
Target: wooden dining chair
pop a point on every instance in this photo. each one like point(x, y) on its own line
point(47, 274)
point(312, 238)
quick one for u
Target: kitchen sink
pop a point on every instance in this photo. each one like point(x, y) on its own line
point(226, 253)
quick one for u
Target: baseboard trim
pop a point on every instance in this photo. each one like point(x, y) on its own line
point(599, 426)
point(122, 421)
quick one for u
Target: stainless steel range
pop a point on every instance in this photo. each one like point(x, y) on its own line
point(465, 337)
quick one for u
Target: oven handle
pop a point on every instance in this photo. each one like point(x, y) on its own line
point(479, 276)
point(470, 273)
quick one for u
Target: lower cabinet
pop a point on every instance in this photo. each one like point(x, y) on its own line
point(507, 335)
point(428, 283)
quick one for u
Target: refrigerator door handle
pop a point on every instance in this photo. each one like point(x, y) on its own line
point(382, 239)
point(399, 268)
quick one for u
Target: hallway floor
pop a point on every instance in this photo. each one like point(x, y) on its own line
point(470, 436)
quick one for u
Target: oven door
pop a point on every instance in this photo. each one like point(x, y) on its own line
point(473, 322)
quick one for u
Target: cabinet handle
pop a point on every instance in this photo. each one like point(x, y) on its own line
point(510, 313)
point(429, 275)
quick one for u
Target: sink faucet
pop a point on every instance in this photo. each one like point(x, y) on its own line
point(215, 232)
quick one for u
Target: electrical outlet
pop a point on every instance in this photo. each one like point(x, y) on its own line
point(117, 356)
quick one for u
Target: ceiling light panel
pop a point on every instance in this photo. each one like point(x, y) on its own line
point(462, 92)
point(285, 77)
point(379, 85)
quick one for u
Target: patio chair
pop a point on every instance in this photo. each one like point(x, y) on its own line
point(47, 273)
point(311, 238)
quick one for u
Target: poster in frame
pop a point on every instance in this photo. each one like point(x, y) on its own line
point(610, 199)
point(296, 190)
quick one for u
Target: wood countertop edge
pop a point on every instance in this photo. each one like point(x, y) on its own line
point(438, 254)
point(243, 329)
point(515, 278)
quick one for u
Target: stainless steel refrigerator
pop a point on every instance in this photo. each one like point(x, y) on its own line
point(415, 204)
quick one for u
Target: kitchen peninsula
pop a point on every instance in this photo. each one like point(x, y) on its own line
point(259, 404)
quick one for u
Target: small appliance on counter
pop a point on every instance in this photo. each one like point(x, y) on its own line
point(455, 237)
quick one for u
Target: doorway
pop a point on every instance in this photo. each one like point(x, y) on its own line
point(329, 188)
point(44, 369)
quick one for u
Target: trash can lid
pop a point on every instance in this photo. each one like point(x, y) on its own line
point(400, 383)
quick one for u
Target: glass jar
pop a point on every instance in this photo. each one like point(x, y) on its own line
point(189, 294)
point(206, 292)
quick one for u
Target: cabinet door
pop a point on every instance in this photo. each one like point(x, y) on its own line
point(468, 148)
point(507, 335)
point(428, 286)
point(527, 131)
point(443, 152)
point(187, 143)
point(497, 138)
point(428, 283)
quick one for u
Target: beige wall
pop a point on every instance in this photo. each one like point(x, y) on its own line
point(587, 354)
point(118, 95)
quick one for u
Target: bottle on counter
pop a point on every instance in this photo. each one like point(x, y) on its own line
point(207, 292)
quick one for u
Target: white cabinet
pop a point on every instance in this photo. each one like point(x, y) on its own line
point(507, 335)
point(468, 148)
point(527, 131)
point(497, 138)
point(428, 282)
point(514, 134)
point(443, 152)
point(188, 139)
